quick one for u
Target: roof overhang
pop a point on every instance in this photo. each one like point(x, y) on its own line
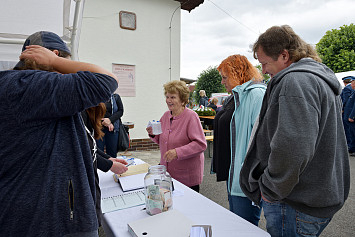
point(189, 5)
point(187, 81)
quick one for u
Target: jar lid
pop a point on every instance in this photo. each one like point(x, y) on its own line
point(157, 168)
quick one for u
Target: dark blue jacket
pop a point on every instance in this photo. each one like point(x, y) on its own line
point(46, 169)
point(349, 107)
point(345, 93)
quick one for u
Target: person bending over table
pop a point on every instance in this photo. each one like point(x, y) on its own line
point(182, 141)
point(92, 120)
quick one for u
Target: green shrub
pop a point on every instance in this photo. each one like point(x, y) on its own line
point(206, 111)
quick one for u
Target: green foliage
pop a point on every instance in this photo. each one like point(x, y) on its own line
point(210, 81)
point(265, 76)
point(337, 48)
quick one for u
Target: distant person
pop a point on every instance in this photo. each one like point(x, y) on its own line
point(111, 125)
point(203, 98)
point(182, 142)
point(233, 125)
point(213, 103)
point(348, 90)
point(297, 164)
point(46, 167)
point(349, 116)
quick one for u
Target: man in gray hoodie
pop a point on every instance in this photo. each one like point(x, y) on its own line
point(297, 163)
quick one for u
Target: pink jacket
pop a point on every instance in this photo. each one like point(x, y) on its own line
point(185, 134)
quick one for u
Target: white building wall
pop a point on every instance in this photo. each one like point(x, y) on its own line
point(103, 42)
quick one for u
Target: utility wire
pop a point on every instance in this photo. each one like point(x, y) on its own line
point(232, 17)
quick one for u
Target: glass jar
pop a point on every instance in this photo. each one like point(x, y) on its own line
point(158, 190)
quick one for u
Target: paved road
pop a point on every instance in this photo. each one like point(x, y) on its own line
point(342, 225)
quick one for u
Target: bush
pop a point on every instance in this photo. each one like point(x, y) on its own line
point(210, 81)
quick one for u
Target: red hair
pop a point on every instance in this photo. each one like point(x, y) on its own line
point(239, 70)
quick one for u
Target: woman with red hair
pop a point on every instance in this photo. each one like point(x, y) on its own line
point(233, 125)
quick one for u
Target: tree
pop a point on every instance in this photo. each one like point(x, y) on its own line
point(210, 81)
point(337, 48)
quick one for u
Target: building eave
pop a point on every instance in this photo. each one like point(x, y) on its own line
point(189, 5)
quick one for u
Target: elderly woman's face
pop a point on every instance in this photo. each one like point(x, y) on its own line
point(173, 101)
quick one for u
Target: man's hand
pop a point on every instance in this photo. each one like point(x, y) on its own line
point(39, 54)
point(351, 120)
point(170, 155)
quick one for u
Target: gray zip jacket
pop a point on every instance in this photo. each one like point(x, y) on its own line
point(299, 154)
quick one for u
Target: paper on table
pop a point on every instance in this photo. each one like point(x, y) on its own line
point(132, 182)
point(135, 169)
point(122, 201)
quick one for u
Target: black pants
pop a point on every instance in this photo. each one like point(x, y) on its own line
point(195, 188)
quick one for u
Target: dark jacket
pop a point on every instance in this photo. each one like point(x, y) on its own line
point(221, 140)
point(345, 94)
point(349, 107)
point(203, 101)
point(114, 117)
point(299, 153)
point(213, 106)
point(102, 162)
point(46, 168)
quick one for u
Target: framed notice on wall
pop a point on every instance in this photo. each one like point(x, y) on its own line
point(126, 75)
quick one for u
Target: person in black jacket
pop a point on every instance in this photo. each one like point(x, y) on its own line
point(203, 99)
point(213, 104)
point(111, 125)
point(48, 185)
point(92, 121)
point(347, 91)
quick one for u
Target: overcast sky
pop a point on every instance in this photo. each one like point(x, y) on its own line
point(219, 28)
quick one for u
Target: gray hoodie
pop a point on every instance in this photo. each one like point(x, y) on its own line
point(299, 153)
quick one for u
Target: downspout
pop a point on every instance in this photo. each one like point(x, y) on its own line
point(73, 38)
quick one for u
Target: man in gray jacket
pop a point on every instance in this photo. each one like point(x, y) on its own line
point(297, 163)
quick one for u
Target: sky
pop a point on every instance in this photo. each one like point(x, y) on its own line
point(220, 28)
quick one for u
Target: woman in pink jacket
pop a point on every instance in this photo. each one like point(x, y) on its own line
point(182, 141)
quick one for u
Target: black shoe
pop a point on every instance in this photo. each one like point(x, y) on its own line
point(352, 154)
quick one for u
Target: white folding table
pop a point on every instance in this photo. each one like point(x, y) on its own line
point(193, 205)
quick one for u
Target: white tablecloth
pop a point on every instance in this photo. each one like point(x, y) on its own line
point(193, 205)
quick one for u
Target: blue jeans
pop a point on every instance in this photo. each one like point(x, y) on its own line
point(110, 140)
point(283, 220)
point(244, 208)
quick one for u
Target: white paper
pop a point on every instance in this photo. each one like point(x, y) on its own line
point(122, 201)
point(132, 182)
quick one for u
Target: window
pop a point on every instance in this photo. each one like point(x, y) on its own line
point(128, 20)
